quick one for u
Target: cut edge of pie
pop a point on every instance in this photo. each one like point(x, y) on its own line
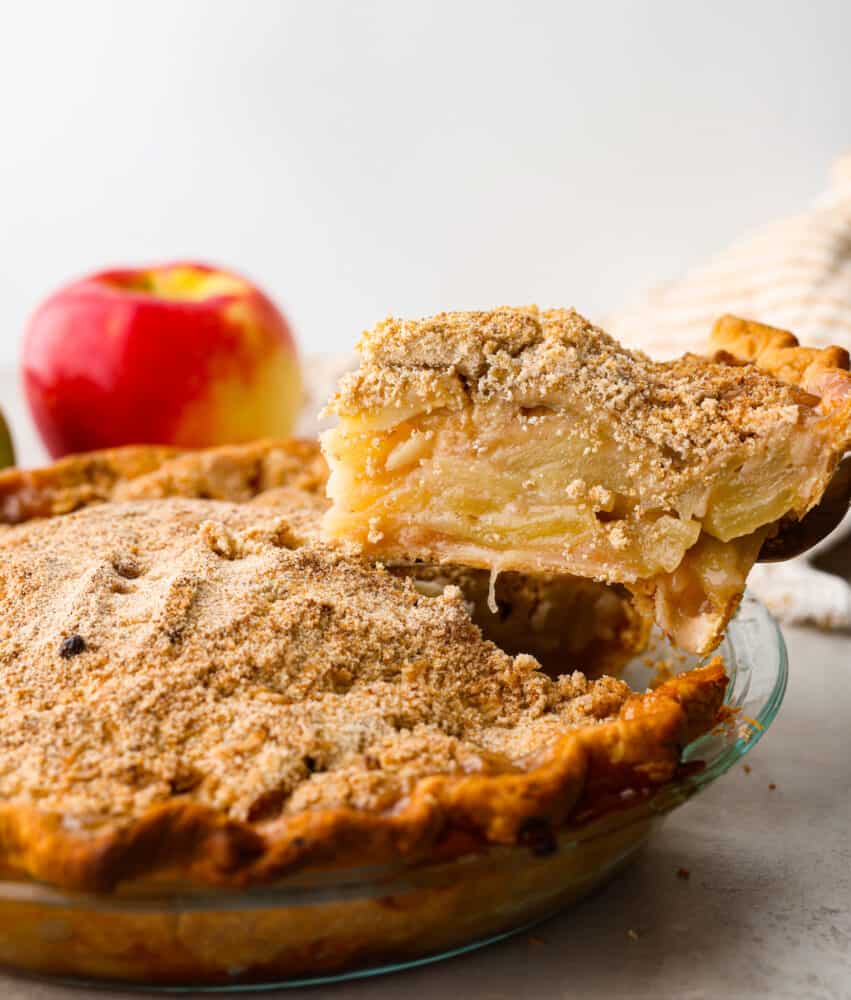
point(529, 440)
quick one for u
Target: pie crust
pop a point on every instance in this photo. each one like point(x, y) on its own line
point(530, 441)
point(197, 690)
point(231, 472)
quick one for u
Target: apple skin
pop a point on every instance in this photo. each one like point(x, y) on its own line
point(7, 448)
point(182, 354)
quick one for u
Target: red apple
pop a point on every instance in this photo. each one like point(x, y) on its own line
point(181, 354)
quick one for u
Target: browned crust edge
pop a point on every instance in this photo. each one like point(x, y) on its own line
point(74, 481)
point(775, 351)
point(230, 472)
point(822, 372)
point(580, 777)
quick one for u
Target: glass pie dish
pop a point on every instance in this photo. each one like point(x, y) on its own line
point(324, 925)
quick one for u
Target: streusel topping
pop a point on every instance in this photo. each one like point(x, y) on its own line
point(210, 650)
point(690, 409)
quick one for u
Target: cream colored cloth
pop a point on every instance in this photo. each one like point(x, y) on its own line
point(795, 274)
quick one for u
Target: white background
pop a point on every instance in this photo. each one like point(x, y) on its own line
point(363, 158)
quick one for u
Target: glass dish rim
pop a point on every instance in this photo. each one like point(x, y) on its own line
point(308, 888)
point(754, 615)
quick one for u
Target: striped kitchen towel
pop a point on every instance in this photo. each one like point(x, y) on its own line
point(794, 274)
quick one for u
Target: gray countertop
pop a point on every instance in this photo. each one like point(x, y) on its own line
point(766, 911)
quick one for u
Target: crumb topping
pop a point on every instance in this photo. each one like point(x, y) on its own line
point(691, 409)
point(210, 650)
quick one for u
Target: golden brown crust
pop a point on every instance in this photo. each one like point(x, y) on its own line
point(235, 473)
point(583, 775)
point(231, 472)
point(75, 481)
point(775, 351)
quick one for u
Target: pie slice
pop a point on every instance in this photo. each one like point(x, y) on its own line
point(566, 622)
point(527, 441)
point(194, 690)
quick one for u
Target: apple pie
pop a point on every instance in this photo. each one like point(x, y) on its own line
point(530, 441)
point(198, 689)
point(565, 622)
